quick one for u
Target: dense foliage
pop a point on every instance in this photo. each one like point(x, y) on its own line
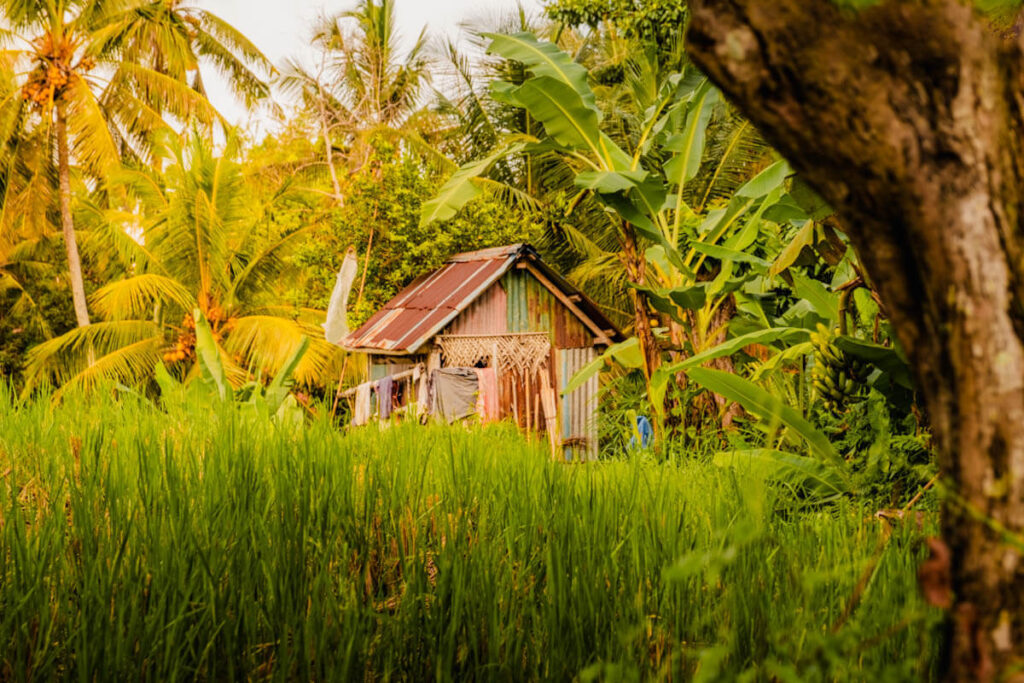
point(159, 266)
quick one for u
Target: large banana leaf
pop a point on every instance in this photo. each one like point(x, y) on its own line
point(727, 254)
point(766, 406)
point(610, 182)
point(688, 145)
point(461, 188)
point(562, 112)
point(280, 387)
point(544, 59)
point(788, 256)
point(824, 302)
point(208, 354)
point(646, 192)
point(765, 181)
point(727, 348)
point(760, 187)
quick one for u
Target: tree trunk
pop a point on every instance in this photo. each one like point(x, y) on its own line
point(67, 221)
point(636, 263)
point(907, 117)
point(325, 130)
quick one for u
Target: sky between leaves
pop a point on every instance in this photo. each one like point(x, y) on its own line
point(280, 28)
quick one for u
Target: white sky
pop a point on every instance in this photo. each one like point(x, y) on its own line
point(280, 29)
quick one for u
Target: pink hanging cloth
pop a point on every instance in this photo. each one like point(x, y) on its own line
point(487, 394)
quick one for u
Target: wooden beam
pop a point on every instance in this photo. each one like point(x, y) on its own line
point(602, 338)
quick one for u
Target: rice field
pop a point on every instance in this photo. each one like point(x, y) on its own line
point(136, 544)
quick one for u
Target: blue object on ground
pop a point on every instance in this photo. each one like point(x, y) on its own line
point(646, 431)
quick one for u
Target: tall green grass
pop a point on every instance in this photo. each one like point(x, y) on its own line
point(140, 545)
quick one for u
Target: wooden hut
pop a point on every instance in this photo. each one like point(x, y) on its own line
point(503, 308)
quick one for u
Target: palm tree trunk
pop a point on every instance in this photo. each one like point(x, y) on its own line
point(325, 130)
point(67, 221)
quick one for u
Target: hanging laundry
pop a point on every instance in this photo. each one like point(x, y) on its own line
point(336, 326)
point(385, 387)
point(361, 406)
point(455, 392)
point(487, 395)
point(421, 380)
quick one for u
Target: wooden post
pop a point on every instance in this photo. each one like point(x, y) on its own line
point(550, 404)
point(526, 395)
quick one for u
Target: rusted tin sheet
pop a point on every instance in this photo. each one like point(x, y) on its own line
point(579, 408)
point(533, 308)
point(485, 315)
point(433, 301)
point(423, 308)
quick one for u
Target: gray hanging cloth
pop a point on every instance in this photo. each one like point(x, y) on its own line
point(454, 392)
point(385, 388)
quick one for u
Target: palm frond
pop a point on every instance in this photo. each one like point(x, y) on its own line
point(265, 342)
point(136, 296)
point(244, 83)
point(258, 274)
point(92, 143)
point(167, 94)
point(57, 361)
point(128, 365)
point(234, 40)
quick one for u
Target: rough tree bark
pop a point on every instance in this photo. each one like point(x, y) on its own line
point(908, 117)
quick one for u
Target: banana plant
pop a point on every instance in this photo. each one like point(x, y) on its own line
point(210, 386)
point(664, 229)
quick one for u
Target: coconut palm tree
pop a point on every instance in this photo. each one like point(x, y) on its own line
point(205, 246)
point(363, 89)
point(95, 79)
point(362, 85)
point(175, 39)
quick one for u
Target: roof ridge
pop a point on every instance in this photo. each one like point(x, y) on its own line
point(489, 253)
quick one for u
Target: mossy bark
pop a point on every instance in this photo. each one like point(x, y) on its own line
point(907, 117)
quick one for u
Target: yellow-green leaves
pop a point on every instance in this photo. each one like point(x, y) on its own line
point(135, 296)
point(544, 59)
point(208, 353)
point(562, 112)
point(766, 406)
point(461, 188)
point(688, 145)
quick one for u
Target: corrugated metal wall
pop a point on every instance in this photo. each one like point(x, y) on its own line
point(486, 315)
point(521, 303)
point(579, 408)
point(531, 307)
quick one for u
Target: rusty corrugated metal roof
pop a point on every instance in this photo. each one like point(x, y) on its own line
point(430, 302)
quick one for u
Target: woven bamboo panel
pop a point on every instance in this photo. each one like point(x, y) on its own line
point(519, 353)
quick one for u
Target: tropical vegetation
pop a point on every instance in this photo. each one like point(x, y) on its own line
point(159, 265)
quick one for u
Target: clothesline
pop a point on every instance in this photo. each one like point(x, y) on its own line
point(397, 376)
